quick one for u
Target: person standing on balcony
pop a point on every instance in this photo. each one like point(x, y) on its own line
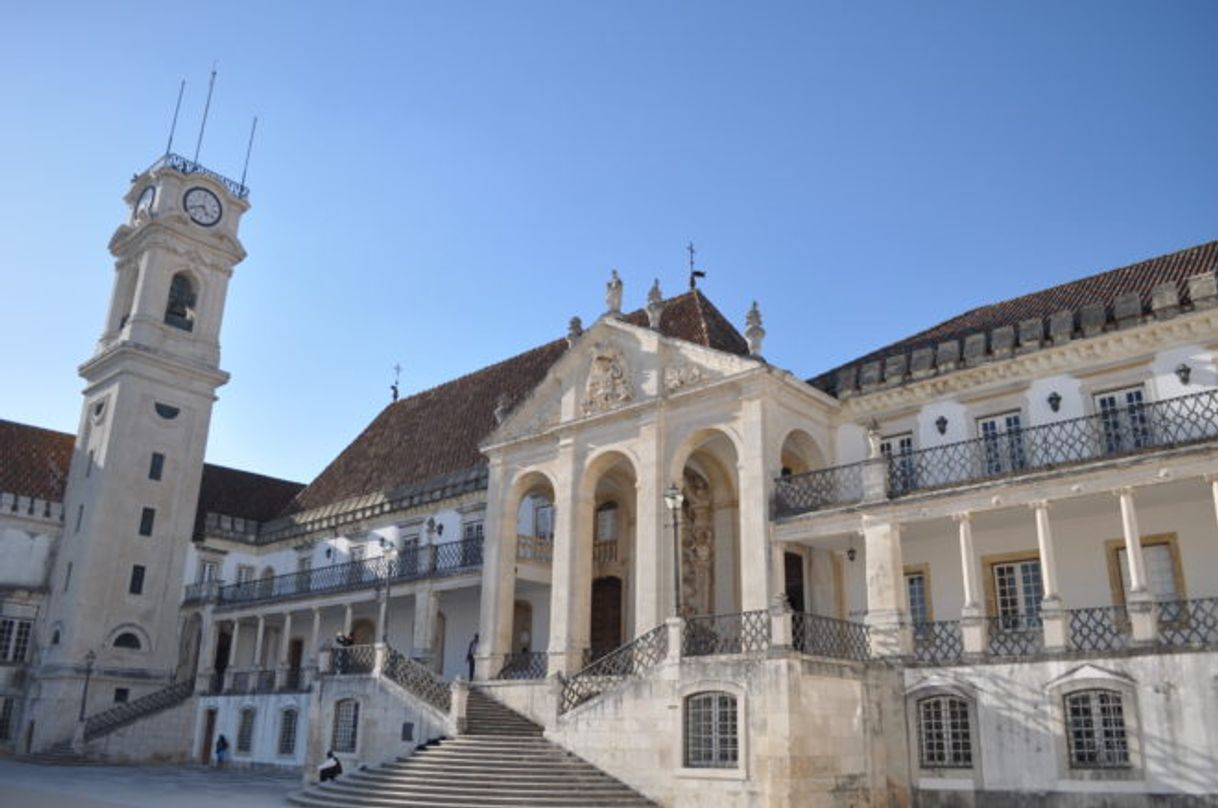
point(341, 655)
point(470, 655)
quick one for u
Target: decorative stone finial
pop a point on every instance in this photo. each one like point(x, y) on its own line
point(575, 328)
point(501, 408)
point(613, 294)
point(754, 333)
point(655, 305)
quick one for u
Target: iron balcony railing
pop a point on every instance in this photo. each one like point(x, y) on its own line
point(180, 164)
point(644, 652)
point(1098, 628)
point(1127, 430)
point(431, 561)
point(525, 665)
point(818, 635)
point(417, 679)
point(741, 633)
point(1187, 623)
point(938, 642)
point(202, 592)
point(1015, 634)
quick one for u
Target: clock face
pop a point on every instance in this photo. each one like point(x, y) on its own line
point(202, 206)
point(144, 203)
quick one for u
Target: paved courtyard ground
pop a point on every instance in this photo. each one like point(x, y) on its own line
point(25, 785)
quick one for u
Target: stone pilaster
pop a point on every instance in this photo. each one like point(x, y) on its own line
point(887, 615)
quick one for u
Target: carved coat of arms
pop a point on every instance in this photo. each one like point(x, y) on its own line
point(608, 384)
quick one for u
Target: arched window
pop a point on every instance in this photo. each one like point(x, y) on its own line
point(712, 739)
point(606, 522)
point(287, 732)
point(245, 730)
point(127, 640)
point(346, 726)
point(1095, 729)
point(180, 310)
point(944, 733)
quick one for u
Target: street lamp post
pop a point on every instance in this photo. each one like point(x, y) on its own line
point(90, 658)
point(673, 498)
point(391, 555)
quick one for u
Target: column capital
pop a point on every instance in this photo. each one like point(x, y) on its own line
point(1040, 504)
point(1123, 491)
point(962, 516)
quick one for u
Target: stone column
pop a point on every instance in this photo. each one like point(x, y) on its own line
point(426, 608)
point(285, 644)
point(972, 615)
point(1213, 478)
point(675, 626)
point(652, 531)
point(348, 618)
point(232, 653)
point(498, 576)
point(1138, 601)
point(570, 569)
point(756, 568)
point(382, 616)
point(258, 643)
point(886, 610)
point(1052, 612)
point(316, 649)
point(207, 650)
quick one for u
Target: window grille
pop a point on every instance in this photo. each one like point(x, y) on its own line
point(1095, 730)
point(944, 734)
point(245, 731)
point(14, 640)
point(346, 726)
point(472, 531)
point(1002, 443)
point(287, 732)
point(1018, 590)
point(915, 590)
point(1123, 420)
point(711, 731)
point(606, 522)
point(6, 719)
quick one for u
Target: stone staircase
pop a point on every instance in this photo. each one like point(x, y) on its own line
point(503, 760)
point(57, 754)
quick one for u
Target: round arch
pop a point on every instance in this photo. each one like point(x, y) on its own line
point(799, 453)
point(123, 632)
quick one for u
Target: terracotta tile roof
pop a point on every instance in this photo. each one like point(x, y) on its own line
point(34, 462)
point(437, 432)
point(1104, 287)
point(233, 492)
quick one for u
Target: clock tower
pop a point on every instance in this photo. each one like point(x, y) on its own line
point(133, 488)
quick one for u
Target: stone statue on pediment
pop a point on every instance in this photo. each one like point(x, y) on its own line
point(613, 294)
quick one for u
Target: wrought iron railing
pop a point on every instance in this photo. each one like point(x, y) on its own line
point(815, 490)
point(293, 680)
point(525, 665)
point(644, 652)
point(938, 642)
point(535, 548)
point(264, 681)
point(741, 633)
point(432, 561)
point(352, 659)
point(1185, 623)
point(818, 635)
point(179, 163)
point(121, 715)
point(417, 679)
point(240, 681)
point(1123, 431)
point(1098, 628)
point(202, 592)
point(1015, 635)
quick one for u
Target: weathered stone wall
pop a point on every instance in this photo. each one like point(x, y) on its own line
point(164, 737)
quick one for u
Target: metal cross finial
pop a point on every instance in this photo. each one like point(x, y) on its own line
point(397, 377)
point(694, 274)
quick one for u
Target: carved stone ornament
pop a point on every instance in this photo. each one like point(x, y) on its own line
point(678, 376)
point(608, 384)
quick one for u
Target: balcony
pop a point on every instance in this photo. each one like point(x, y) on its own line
point(416, 563)
point(1126, 431)
point(539, 549)
point(247, 681)
point(201, 592)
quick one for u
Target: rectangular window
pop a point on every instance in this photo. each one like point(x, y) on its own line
point(1095, 730)
point(902, 471)
point(6, 718)
point(1124, 423)
point(14, 639)
point(208, 571)
point(287, 732)
point(245, 731)
point(346, 726)
point(1002, 443)
point(1017, 594)
point(543, 521)
point(1164, 573)
point(606, 522)
point(245, 573)
point(944, 736)
point(80, 514)
point(147, 517)
point(67, 577)
point(157, 466)
point(472, 531)
point(917, 597)
point(136, 587)
point(711, 733)
point(89, 464)
point(121, 694)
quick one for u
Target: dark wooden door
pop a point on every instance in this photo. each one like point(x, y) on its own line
point(606, 614)
point(793, 567)
point(209, 730)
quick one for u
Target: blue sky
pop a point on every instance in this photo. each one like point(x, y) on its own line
point(443, 185)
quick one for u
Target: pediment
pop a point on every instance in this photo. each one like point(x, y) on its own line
point(1089, 672)
point(611, 366)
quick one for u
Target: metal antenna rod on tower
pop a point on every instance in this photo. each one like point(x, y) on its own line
point(249, 148)
point(210, 85)
point(173, 126)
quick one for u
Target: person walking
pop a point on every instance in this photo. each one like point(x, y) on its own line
point(471, 654)
point(221, 751)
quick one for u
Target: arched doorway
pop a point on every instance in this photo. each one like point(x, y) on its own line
point(607, 534)
point(709, 525)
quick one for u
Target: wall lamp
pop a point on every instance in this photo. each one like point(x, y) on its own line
point(1055, 401)
point(941, 424)
point(1183, 372)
